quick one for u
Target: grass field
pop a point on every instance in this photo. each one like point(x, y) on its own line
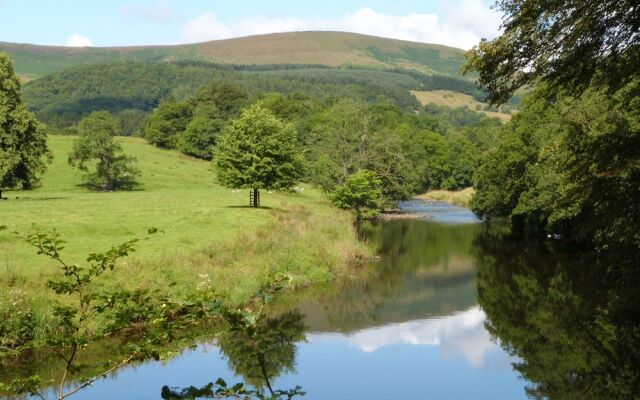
point(210, 238)
point(455, 100)
point(327, 48)
point(460, 197)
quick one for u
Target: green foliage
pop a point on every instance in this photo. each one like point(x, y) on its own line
point(18, 324)
point(113, 169)
point(569, 319)
point(221, 390)
point(361, 193)
point(85, 311)
point(166, 124)
point(23, 146)
point(566, 43)
point(259, 348)
point(569, 167)
point(23, 386)
point(257, 151)
point(350, 136)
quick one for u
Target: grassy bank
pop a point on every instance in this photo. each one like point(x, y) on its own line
point(457, 197)
point(209, 239)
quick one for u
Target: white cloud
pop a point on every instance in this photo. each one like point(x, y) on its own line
point(159, 12)
point(460, 333)
point(461, 26)
point(78, 41)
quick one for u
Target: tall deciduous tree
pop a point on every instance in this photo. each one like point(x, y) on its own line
point(23, 143)
point(569, 161)
point(257, 151)
point(567, 43)
point(113, 169)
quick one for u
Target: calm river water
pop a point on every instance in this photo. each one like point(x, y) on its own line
point(452, 310)
point(412, 328)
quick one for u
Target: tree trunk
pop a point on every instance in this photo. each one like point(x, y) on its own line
point(0, 194)
point(256, 198)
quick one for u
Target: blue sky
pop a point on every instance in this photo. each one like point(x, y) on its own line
point(120, 23)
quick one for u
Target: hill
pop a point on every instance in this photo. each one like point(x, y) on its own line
point(208, 233)
point(334, 49)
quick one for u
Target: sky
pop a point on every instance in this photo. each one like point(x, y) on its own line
point(458, 23)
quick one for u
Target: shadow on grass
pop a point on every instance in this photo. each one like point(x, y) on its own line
point(23, 198)
point(132, 187)
point(266, 208)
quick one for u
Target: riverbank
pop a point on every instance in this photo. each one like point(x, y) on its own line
point(458, 197)
point(209, 239)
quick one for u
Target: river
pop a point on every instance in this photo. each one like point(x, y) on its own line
point(452, 310)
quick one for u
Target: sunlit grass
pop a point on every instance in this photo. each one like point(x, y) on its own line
point(209, 239)
point(459, 197)
point(452, 99)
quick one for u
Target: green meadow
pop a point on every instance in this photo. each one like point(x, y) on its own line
point(209, 238)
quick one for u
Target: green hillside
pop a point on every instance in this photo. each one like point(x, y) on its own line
point(209, 235)
point(334, 49)
point(137, 87)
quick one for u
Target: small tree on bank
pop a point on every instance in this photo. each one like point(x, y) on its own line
point(23, 141)
point(361, 193)
point(257, 151)
point(113, 169)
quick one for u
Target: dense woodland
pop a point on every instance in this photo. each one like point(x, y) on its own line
point(339, 136)
point(130, 88)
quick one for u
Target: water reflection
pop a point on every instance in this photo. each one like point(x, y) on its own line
point(571, 318)
point(407, 326)
point(262, 355)
point(426, 270)
point(462, 332)
point(259, 354)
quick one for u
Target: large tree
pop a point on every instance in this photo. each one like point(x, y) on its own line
point(568, 162)
point(95, 146)
point(23, 143)
point(257, 151)
point(567, 43)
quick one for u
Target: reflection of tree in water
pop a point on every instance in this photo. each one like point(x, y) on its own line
point(259, 350)
point(264, 353)
point(572, 319)
point(421, 264)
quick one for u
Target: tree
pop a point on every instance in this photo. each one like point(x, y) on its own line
point(570, 162)
point(200, 134)
point(567, 43)
point(113, 169)
point(361, 193)
point(167, 123)
point(23, 143)
point(257, 151)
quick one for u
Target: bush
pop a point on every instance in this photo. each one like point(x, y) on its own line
point(17, 324)
point(361, 193)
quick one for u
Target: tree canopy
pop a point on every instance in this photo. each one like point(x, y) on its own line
point(360, 193)
point(23, 143)
point(568, 162)
point(566, 43)
point(113, 168)
point(257, 151)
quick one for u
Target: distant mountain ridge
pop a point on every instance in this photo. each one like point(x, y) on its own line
point(334, 49)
